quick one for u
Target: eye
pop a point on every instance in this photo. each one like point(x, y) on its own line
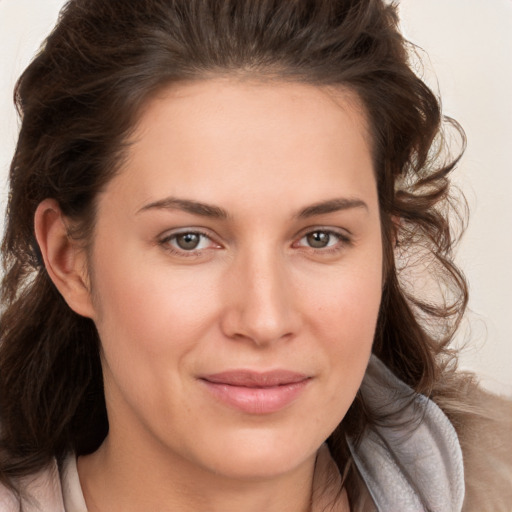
point(319, 239)
point(323, 239)
point(188, 242)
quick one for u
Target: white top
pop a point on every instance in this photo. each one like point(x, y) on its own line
point(72, 495)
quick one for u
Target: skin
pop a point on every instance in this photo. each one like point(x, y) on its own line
point(253, 295)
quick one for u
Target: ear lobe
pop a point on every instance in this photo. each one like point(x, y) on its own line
point(64, 259)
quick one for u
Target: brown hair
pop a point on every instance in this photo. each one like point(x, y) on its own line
point(80, 98)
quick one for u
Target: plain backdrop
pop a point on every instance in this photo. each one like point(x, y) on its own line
point(468, 45)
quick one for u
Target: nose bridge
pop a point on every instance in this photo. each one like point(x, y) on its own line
point(261, 306)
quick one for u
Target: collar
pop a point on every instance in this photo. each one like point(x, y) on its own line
point(412, 459)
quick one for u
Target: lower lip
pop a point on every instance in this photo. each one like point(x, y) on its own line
point(257, 400)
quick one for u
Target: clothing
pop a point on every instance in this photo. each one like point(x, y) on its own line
point(411, 462)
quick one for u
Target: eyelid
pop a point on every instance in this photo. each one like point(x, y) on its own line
point(164, 240)
point(341, 232)
point(344, 236)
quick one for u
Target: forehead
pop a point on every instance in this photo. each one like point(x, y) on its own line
point(244, 105)
point(233, 137)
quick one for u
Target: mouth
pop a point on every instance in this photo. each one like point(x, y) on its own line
point(255, 392)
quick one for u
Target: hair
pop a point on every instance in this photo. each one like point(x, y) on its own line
point(79, 101)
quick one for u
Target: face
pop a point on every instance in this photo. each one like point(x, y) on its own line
point(236, 275)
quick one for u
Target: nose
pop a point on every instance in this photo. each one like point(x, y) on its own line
point(260, 304)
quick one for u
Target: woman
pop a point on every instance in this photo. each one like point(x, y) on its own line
point(210, 202)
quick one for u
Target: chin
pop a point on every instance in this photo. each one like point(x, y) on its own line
point(250, 457)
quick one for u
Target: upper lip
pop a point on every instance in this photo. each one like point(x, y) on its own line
point(254, 379)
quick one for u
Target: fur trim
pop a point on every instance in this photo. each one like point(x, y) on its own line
point(483, 422)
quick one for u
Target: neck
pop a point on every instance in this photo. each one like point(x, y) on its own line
point(114, 479)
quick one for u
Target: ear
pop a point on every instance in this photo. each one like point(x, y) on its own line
point(64, 259)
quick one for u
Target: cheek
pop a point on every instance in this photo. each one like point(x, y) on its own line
point(149, 324)
point(346, 303)
point(346, 308)
point(351, 333)
point(147, 311)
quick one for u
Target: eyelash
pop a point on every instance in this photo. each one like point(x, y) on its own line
point(166, 243)
point(343, 241)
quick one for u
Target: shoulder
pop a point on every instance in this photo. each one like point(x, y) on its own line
point(483, 422)
point(485, 434)
point(40, 492)
point(409, 455)
point(458, 449)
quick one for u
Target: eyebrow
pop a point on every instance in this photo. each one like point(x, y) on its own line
point(330, 206)
point(193, 207)
point(212, 211)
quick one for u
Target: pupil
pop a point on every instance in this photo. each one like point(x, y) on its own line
point(188, 241)
point(318, 239)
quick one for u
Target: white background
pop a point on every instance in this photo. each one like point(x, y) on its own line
point(469, 44)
